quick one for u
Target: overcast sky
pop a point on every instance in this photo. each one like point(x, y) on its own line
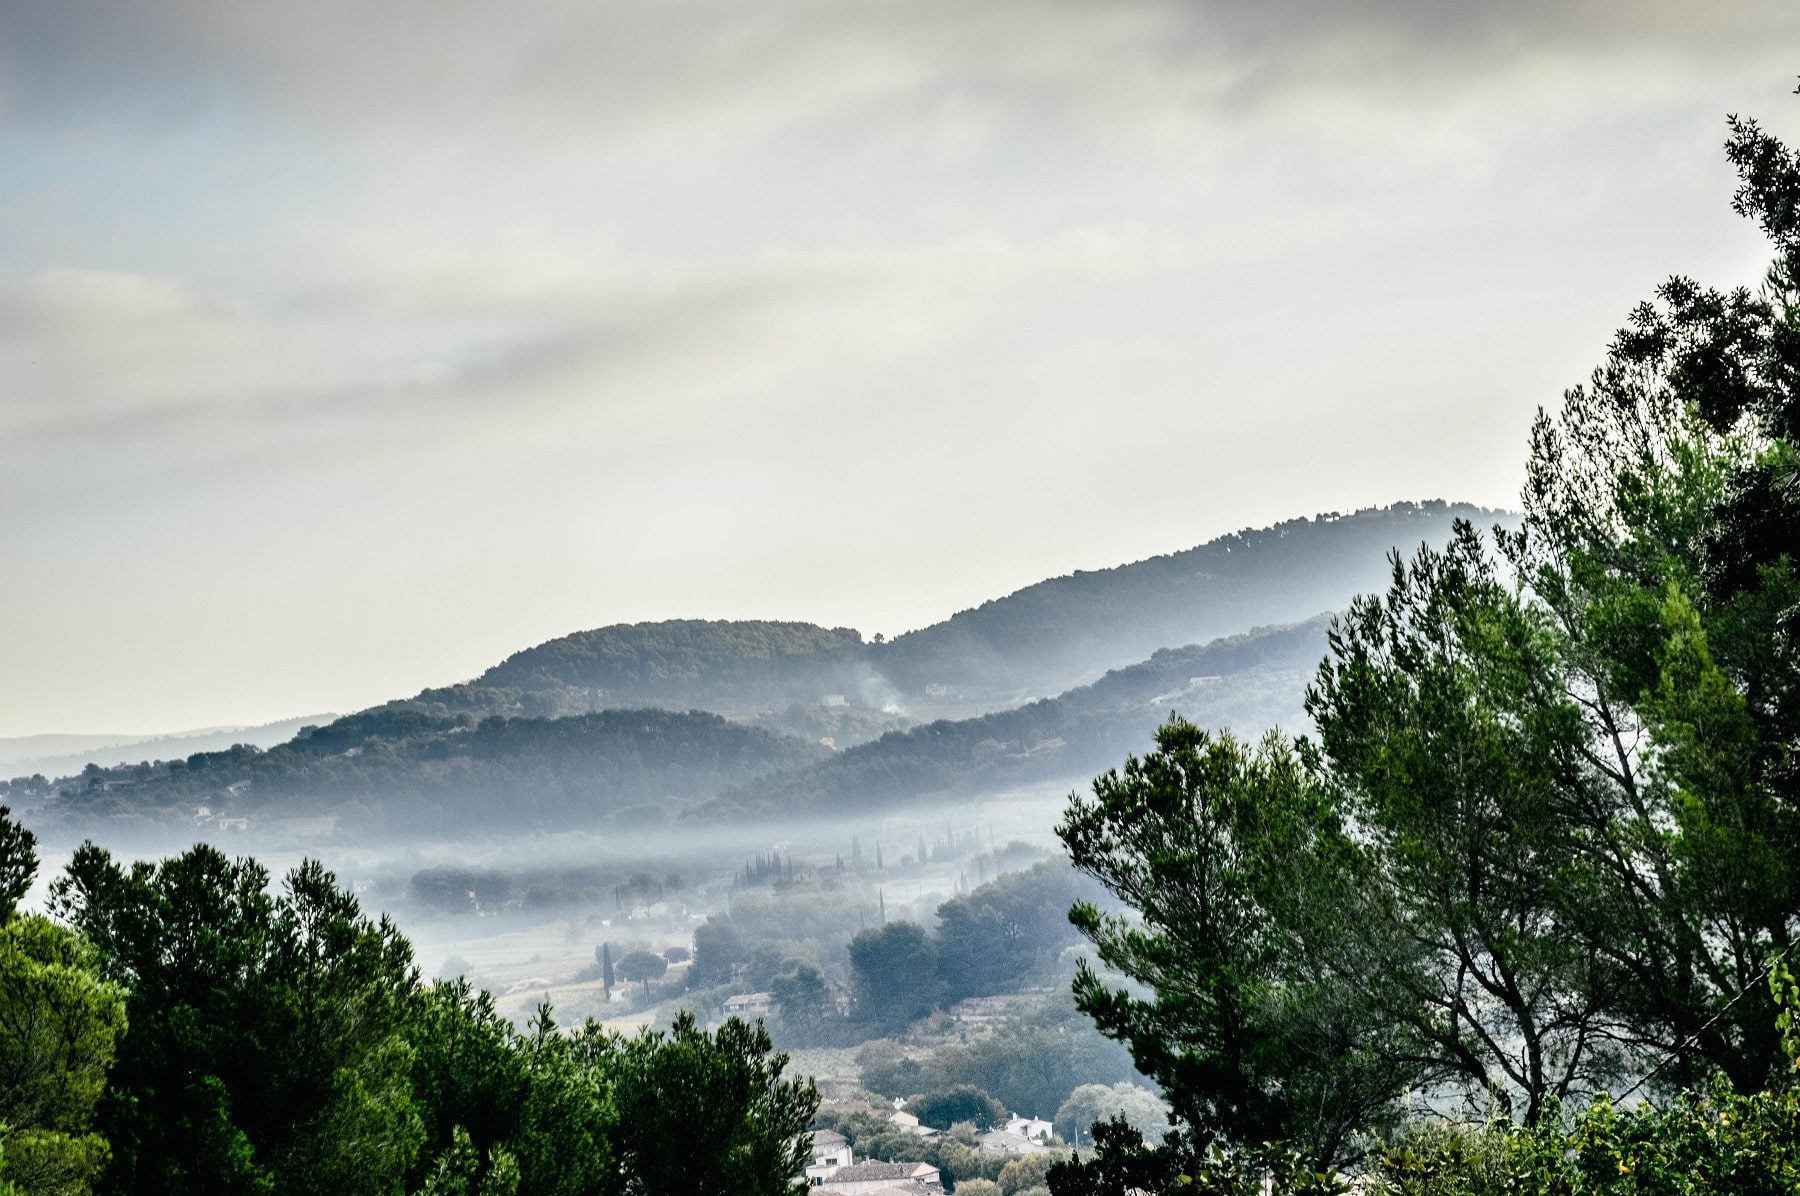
point(346, 347)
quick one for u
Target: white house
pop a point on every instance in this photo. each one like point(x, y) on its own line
point(830, 1154)
point(749, 1005)
point(1030, 1127)
point(1007, 1142)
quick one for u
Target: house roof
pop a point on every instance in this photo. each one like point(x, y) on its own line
point(861, 1172)
point(828, 1138)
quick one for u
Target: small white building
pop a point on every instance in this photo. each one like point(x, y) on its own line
point(1034, 1128)
point(749, 1005)
point(906, 1121)
point(1008, 1143)
point(830, 1154)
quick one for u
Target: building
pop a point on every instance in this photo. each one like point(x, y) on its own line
point(1030, 1127)
point(902, 1120)
point(830, 1154)
point(867, 1179)
point(1007, 1142)
point(749, 1005)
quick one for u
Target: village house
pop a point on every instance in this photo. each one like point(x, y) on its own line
point(867, 1179)
point(1030, 1127)
point(749, 1005)
point(830, 1154)
point(1008, 1143)
point(902, 1120)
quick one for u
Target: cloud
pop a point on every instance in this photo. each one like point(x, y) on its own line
point(487, 334)
point(634, 73)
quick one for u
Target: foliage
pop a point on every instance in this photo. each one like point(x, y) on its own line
point(18, 861)
point(1137, 1106)
point(1235, 863)
point(740, 1125)
point(462, 1171)
point(400, 768)
point(894, 976)
point(1031, 1061)
point(1028, 1171)
point(804, 1007)
point(989, 940)
point(265, 1048)
point(60, 1022)
point(643, 966)
point(945, 1108)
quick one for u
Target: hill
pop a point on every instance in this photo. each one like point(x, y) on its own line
point(1249, 683)
point(1067, 630)
point(403, 770)
point(1034, 642)
point(60, 755)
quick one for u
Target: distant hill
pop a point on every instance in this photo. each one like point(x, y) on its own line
point(588, 726)
point(403, 770)
point(59, 755)
point(1067, 630)
point(736, 667)
point(1037, 641)
point(1248, 683)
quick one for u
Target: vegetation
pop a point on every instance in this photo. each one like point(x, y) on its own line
point(1248, 680)
point(941, 1110)
point(60, 1021)
point(402, 769)
point(187, 1030)
point(1056, 633)
point(1541, 848)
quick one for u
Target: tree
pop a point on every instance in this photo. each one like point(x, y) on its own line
point(643, 966)
point(18, 861)
point(1241, 876)
point(803, 1004)
point(894, 973)
point(718, 949)
point(60, 1021)
point(993, 936)
point(606, 968)
point(742, 1125)
point(1027, 1172)
point(265, 1043)
point(941, 1110)
point(1138, 1107)
point(469, 1076)
point(1442, 711)
point(462, 1171)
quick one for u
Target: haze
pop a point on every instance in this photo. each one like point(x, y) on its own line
point(346, 349)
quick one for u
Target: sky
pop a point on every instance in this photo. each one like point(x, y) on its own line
point(347, 347)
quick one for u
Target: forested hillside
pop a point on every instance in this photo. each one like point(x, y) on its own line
point(1065, 630)
point(1250, 682)
point(405, 770)
point(1037, 641)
